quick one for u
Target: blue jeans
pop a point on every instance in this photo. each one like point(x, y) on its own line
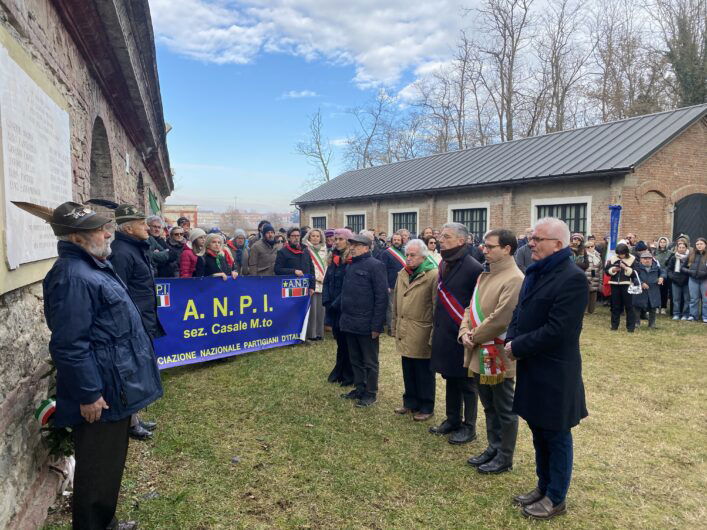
point(553, 462)
point(697, 293)
point(681, 300)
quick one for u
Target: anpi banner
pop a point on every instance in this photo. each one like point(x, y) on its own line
point(209, 318)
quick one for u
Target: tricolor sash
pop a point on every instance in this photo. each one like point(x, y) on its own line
point(397, 255)
point(451, 305)
point(491, 367)
point(317, 260)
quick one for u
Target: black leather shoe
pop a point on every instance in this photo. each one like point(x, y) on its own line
point(498, 464)
point(484, 457)
point(351, 395)
point(528, 498)
point(444, 428)
point(366, 401)
point(463, 435)
point(138, 433)
point(148, 425)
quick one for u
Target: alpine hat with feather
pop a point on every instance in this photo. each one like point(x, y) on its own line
point(67, 218)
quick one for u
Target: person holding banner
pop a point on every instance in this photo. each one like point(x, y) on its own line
point(100, 348)
point(315, 245)
point(414, 301)
point(333, 283)
point(293, 259)
point(483, 332)
point(393, 258)
point(364, 297)
point(458, 273)
point(216, 261)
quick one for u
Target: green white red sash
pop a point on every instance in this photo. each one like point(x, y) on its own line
point(397, 255)
point(491, 367)
point(317, 260)
point(451, 305)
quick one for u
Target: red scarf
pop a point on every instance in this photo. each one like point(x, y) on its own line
point(337, 260)
point(227, 255)
point(293, 250)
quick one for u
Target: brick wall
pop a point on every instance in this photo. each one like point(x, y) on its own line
point(27, 486)
point(647, 195)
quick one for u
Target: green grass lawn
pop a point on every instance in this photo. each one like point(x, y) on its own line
point(309, 459)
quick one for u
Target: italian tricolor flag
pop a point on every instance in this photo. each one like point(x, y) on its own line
point(491, 367)
point(293, 291)
point(44, 411)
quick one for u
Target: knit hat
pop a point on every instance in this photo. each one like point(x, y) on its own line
point(343, 232)
point(579, 236)
point(641, 246)
point(328, 232)
point(267, 227)
point(211, 237)
point(239, 232)
point(195, 233)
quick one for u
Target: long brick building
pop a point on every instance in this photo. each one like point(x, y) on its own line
point(654, 166)
point(81, 117)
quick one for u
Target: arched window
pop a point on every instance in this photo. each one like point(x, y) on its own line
point(101, 178)
point(691, 216)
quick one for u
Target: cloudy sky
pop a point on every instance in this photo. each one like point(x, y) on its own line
point(239, 80)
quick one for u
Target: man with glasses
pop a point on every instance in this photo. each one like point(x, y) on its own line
point(543, 338)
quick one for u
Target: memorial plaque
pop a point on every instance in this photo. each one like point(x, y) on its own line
point(36, 148)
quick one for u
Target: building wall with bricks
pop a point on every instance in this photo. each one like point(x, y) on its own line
point(106, 162)
point(647, 196)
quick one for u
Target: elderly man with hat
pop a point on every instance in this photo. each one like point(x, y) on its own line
point(106, 367)
point(263, 253)
point(131, 260)
point(364, 298)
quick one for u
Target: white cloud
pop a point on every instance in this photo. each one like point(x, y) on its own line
point(339, 142)
point(298, 94)
point(380, 41)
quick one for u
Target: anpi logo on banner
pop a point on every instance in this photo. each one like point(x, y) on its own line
point(162, 291)
point(294, 287)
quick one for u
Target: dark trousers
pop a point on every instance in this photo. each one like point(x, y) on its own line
point(461, 395)
point(650, 313)
point(622, 302)
point(591, 302)
point(342, 371)
point(501, 422)
point(363, 351)
point(100, 450)
point(553, 462)
point(419, 381)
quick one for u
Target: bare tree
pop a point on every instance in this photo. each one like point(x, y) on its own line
point(317, 150)
point(505, 24)
point(371, 119)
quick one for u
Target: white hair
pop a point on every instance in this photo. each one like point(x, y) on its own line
point(556, 228)
point(122, 227)
point(420, 244)
point(155, 218)
point(460, 229)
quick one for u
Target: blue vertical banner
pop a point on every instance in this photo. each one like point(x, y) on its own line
point(615, 210)
point(209, 318)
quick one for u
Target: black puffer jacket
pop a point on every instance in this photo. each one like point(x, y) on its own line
point(698, 267)
point(332, 286)
point(290, 259)
point(364, 296)
point(129, 257)
point(678, 278)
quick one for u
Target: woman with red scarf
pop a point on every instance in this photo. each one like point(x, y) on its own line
point(292, 259)
point(215, 262)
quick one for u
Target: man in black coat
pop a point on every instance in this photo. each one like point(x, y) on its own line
point(458, 273)
point(293, 259)
point(364, 298)
point(130, 257)
point(544, 338)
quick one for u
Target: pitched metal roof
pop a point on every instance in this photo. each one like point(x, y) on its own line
point(615, 147)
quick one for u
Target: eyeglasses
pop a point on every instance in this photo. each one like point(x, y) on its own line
point(178, 234)
point(536, 239)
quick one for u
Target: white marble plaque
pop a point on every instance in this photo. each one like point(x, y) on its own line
point(36, 149)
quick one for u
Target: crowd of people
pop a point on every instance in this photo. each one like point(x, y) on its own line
point(499, 319)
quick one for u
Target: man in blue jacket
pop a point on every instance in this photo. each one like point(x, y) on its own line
point(131, 257)
point(544, 338)
point(393, 258)
point(364, 298)
point(106, 368)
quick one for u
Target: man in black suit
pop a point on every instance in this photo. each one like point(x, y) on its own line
point(544, 338)
point(458, 273)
